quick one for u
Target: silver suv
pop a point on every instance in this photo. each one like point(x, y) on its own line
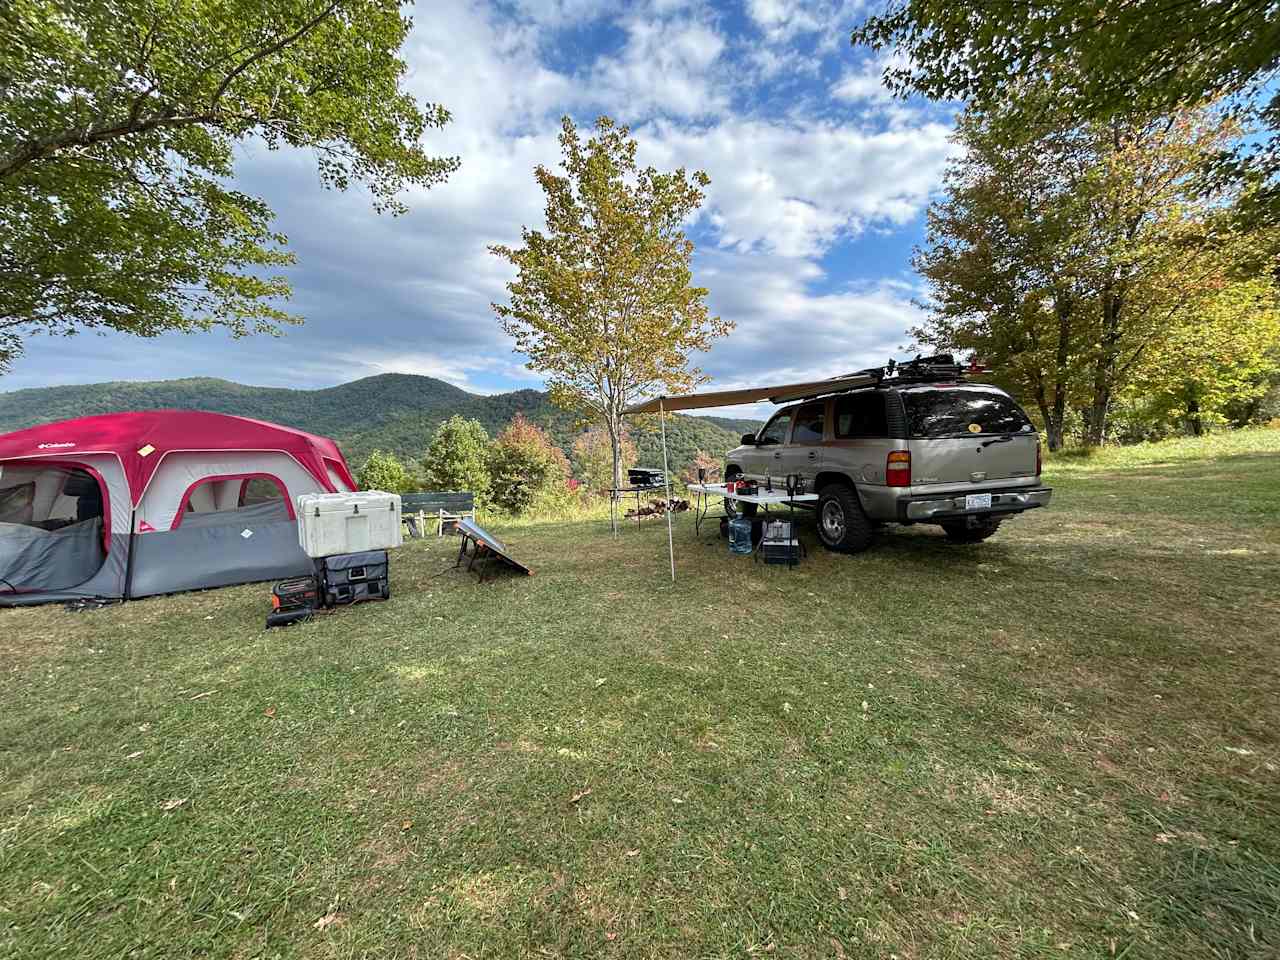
point(919, 447)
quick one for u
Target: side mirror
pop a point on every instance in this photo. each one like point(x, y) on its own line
point(748, 439)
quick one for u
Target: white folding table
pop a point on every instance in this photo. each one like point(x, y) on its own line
point(705, 491)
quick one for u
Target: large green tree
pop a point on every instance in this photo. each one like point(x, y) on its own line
point(1101, 58)
point(119, 126)
point(1223, 355)
point(384, 471)
point(603, 304)
point(458, 458)
point(1070, 257)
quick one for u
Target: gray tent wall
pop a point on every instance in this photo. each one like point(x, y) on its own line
point(220, 543)
point(109, 580)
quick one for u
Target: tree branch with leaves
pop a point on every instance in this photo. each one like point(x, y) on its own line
point(118, 126)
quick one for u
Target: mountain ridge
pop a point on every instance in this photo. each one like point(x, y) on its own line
point(395, 412)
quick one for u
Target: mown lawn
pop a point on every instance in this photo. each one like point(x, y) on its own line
point(1062, 743)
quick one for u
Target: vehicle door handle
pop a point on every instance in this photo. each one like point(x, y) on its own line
point(813, 454)
point(777, 456)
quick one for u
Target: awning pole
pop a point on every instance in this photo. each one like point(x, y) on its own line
point(666, 475)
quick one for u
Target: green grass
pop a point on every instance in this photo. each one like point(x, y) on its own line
point(1061, 743)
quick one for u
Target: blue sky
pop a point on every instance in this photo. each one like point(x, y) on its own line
point(818, 185)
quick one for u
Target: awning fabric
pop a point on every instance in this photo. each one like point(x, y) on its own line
point(779, 393)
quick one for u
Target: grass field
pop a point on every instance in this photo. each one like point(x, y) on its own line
point(1062, 743)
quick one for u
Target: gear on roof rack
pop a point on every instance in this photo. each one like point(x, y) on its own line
point(942, 366)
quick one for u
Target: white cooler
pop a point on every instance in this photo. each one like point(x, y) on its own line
point(334, 523)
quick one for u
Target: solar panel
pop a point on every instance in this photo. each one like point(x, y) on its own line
point(472, 532)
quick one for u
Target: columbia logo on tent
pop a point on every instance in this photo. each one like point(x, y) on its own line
point(146, 451)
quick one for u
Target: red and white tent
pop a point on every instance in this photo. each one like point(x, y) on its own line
point(136, 504)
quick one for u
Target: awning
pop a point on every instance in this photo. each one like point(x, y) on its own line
point(779, 393)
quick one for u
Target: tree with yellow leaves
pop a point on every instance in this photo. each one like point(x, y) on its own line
point(603, 303)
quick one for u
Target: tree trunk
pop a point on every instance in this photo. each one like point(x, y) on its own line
point(615, 447)
point(1045, 413)
point(1194, 420)
point(1062, 359)
point(1104, 369)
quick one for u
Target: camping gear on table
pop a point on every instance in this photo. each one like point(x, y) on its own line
point(352, 577)
point(138, 504)
point(779, 544)
point(292, 600)
point(645, 477)
point(330, 524)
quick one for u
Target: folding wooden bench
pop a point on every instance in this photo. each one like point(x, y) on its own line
point(439, 507)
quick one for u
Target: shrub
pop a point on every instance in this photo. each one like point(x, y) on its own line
point(526, 467)
point(383, 471)
point(458, 458)
point(593, 459)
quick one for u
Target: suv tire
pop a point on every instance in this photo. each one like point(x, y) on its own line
point(732, 507)
point(958, 531)
point(842, 525)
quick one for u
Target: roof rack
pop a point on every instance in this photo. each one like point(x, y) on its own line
point(942, 366)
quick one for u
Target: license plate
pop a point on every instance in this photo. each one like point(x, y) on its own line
point(977, 501)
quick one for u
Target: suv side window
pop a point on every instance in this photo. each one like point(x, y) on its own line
point(810, 423)
point(861, 415)
point(776, 431)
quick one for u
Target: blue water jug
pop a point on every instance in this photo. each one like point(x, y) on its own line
point(740, 535)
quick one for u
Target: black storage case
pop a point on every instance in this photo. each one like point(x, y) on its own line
point(352, 577)
point(779, 544)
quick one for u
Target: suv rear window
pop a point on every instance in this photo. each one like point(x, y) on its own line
point(953, 412)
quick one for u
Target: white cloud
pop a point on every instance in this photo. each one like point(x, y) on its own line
point(667, 66)
point(864, 84)
point(781, 19)
point(796, 188)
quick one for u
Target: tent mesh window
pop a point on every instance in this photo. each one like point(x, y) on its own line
point(51, 527)
point(222, 501)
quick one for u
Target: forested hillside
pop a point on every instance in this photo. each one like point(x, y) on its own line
point(393, 412)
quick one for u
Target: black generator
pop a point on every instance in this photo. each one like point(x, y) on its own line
point(353, 577)
point(292, 600)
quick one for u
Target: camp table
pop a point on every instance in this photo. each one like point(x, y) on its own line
point(703, 492)
point(615, 502)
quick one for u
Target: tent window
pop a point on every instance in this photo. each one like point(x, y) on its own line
point(238, 499)
point(52, 526)
point(259, 490)
point(49, 497)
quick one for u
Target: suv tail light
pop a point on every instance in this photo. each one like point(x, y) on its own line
point(897, 468)
point(1039, 460)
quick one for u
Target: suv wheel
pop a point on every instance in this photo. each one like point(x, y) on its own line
point(733, 507)
point(842, 526)
point(959, 531)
